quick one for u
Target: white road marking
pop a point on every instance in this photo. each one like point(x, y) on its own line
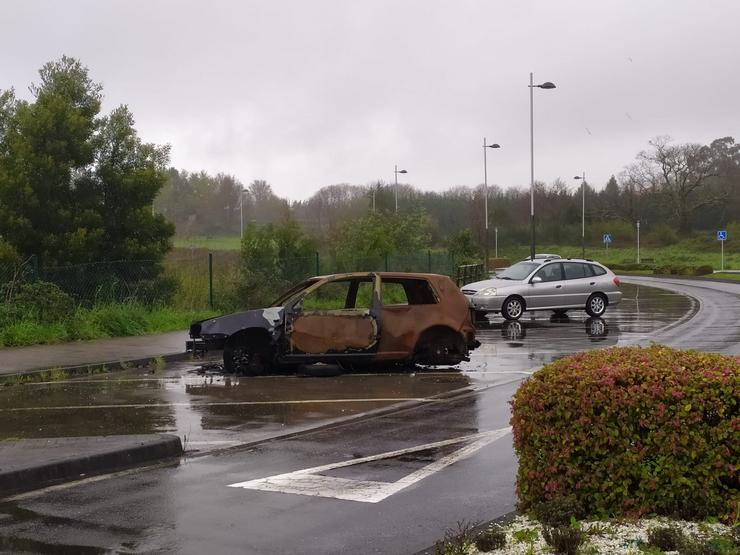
point(310, 481)
point(225, 403)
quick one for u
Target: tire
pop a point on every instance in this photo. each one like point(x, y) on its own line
point(440, 347)
point(245, 357)
point(596, 305)
point(513, 308)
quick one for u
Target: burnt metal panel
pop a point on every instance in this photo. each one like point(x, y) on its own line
point(333, 331)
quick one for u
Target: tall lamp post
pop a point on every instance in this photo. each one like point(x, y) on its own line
point(396, 171)
point(583, 213)
point(532, 86)
point(485, 192)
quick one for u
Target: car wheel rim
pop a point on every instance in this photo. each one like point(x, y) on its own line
point(597, 305)
point(514, 309)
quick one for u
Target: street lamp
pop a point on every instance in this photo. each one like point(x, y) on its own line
point(583, 214)
point(532, 86)
point(485, 191)
point(396, 171)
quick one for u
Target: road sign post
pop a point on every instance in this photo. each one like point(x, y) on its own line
point(638, 241)
point(607, 238)
point(722, 237)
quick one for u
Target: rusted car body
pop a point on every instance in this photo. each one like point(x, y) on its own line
point(355, 319)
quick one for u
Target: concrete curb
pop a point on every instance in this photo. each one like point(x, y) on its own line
point(33, 464)
point(90, 368)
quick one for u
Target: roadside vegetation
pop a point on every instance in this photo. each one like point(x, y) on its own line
point(51, 316)
point(623, 450)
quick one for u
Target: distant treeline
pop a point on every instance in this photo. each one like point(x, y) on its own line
point(671, 188)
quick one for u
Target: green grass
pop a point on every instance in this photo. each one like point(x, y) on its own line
point(720, 275)
point(115, 320)
point(689, 253)
point(210, 242)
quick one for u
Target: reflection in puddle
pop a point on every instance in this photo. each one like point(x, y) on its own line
point(216, 409)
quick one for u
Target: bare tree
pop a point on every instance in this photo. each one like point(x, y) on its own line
point(680, 172)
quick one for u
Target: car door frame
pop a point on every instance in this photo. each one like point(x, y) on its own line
point(578, 289)
point(293, 311)
point(548, 292)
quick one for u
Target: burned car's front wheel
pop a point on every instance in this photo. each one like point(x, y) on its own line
point(248, 355)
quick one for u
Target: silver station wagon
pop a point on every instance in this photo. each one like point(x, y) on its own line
point(552, 284)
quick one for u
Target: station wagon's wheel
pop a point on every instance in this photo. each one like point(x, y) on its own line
point(250, 359)
point(596, 305)
point(440, 346)
point(513, 308)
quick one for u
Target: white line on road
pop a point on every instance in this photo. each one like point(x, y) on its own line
point(310, 481)
point(225, 403)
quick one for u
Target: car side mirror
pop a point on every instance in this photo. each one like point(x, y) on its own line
point(536, 279)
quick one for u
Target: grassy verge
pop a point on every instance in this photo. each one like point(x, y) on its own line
point(210, 242)
point(720, 275)
point(99, 322)
point(687, 253)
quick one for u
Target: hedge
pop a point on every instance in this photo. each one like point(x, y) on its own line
point(629, 431)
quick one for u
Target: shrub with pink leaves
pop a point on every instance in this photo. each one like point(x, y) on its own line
point(629, 431)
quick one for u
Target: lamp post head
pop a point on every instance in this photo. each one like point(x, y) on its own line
point(577, 177)
point(494, 145)
point(546, 85)
point(402, 171)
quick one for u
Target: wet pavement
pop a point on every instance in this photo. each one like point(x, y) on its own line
point(428, 464)
point(212, 410)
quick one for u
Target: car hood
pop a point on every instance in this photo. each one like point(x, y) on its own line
point(479, 285)
point(266, 318)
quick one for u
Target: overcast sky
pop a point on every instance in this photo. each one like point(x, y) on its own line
point(307, 93)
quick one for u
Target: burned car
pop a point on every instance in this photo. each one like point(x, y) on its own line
point(355, 320)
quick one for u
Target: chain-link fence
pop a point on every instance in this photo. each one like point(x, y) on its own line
point(94, 283)
point(199, 279)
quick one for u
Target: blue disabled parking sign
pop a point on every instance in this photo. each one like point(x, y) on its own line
point(722, 235)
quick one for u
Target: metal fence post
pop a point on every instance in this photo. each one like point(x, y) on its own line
point(210, 279)
point(429, 261)
point(318, 265)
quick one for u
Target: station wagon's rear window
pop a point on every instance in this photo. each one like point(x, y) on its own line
point(597, 270)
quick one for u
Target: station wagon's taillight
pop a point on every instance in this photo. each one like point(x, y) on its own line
point(616, 281)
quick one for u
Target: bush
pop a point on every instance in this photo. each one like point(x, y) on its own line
point(488, 540)
point(41, 301)
point(676, 270)
point(563, 539)
point(632, 430)
point(559, 511)
point(667, 538)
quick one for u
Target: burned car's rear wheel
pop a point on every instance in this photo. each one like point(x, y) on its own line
point(440, 346)
point(244, 355)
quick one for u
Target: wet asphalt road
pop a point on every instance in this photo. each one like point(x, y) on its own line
point(438, 461)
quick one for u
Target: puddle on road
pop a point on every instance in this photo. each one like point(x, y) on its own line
point(213, 410)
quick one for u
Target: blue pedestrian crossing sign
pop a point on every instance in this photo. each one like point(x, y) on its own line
point(722, 235)
point(607, 238)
